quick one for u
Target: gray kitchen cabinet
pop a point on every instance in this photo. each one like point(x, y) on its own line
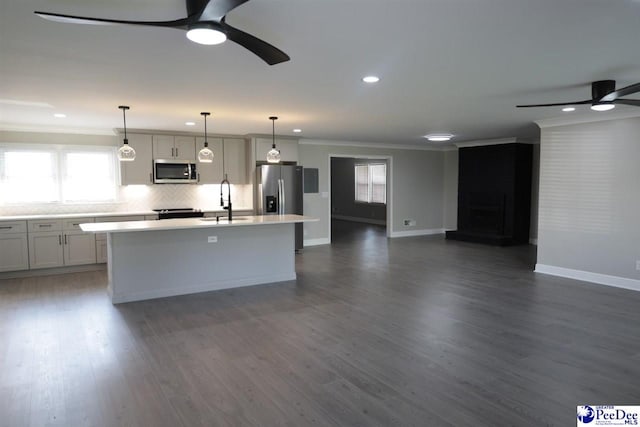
point(235, 160)
point(288, 149)
point(62, 244)
point(139, 171)
point(174, 147)
point(211, 173)
point(14, 250)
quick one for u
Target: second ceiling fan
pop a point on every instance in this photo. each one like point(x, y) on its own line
point(205, 24)
point(604, 96)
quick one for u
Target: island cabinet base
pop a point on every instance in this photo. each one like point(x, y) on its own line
point(153, 264)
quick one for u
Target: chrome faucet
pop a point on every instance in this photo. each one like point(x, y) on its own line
point(228, 207)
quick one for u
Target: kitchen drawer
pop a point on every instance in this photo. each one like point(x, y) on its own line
point(44, 225)
point(121, 218)
point(10, 227)
point(74, 223)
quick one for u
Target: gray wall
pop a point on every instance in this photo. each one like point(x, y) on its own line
point(451, 190)
point(415, 186)
point(343, 202)
point(589, 207)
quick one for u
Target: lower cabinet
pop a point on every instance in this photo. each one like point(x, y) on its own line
point(14, 249)
point(65, 244)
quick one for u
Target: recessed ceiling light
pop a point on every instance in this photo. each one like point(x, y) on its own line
point(439, 137)
point(568, 109)
point(190, 123)
point(297, 130)
point(60, 115)
point(206, 36)
point(371, 79)
point(603, 107)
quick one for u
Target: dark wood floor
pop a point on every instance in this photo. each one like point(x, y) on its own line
point(414, 331)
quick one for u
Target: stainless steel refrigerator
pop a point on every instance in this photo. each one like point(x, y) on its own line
point(279, 192)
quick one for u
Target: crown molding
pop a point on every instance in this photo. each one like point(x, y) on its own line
point(333, 143)
point(54, 129)
point(497, 141)
point(587, 118)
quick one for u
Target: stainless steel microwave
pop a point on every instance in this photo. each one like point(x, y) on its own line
point(174, 172)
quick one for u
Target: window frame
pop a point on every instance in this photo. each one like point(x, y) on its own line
point(59, 163)
point(369, 183)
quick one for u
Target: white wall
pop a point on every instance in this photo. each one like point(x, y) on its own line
point(133, 198)
point(589, 207)
point(415, 188)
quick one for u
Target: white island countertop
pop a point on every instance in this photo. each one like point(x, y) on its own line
point(191, 223)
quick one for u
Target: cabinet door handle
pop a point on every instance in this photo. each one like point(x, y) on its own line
point(65, 239)
point(60, 240)
point(151, 177)
point(44, 225)
point(6, 228)
point(172, 150)
point(176, 152)
point(198, 177)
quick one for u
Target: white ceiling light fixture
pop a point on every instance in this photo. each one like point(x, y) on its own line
point(439, 137)
point(189, 123)
point(205, 34)
point(371, 79)
point(59, 115)
point(126, 153)
point(297, 130)
point(568, 109)
point(603, 107)
point(205, 155)
point(273, 156)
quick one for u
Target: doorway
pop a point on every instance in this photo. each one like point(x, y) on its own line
point(360, 195)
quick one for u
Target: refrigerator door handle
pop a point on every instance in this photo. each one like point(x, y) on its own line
point(284, 200)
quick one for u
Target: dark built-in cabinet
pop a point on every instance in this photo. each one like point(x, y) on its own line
point(494, 194)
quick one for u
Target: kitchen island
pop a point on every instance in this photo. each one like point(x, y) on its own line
point(154, 259)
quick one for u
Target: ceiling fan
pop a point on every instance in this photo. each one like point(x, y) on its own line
point(604, 96)
point(205, 24)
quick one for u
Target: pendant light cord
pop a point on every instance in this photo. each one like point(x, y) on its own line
point(124, 108)
point(273, 130)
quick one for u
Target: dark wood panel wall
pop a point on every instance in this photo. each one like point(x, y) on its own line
point(494, 194)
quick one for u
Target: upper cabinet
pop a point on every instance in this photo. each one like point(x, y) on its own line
point(235, 160)
point(288, 149)
point(211, 173)
point(174, 147)
point(139, 171)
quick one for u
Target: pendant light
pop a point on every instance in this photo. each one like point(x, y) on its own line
point(205, 155)
point(273, 156)
point(126, 153)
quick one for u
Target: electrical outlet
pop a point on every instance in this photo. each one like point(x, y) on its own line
point(638, 265)
point(410, 222)
point(212, 239)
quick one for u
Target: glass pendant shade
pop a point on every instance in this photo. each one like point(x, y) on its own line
point(205, 155)
point(126, 153)
point(273, 156)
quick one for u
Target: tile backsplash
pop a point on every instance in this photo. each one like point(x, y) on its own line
point(137, 198)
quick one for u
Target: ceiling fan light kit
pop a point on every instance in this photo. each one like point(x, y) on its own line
point(205, 24)
point(604, 97)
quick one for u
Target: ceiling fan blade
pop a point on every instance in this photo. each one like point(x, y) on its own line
point(215, 10)
point(621, 92)
point(588, 101)
point(269, 54)
point(635, 102)
point(69, 19)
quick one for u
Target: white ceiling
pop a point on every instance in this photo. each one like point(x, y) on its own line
point(457, 66)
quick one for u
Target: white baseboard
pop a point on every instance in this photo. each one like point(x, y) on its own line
point(317, 242)
point(410, 233)
point(533, 241)
point(587, 276)
point(358, 219)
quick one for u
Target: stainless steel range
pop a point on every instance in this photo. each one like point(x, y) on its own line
point(179, 213)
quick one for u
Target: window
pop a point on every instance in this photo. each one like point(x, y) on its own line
point(371, 183)
point(41, 174)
